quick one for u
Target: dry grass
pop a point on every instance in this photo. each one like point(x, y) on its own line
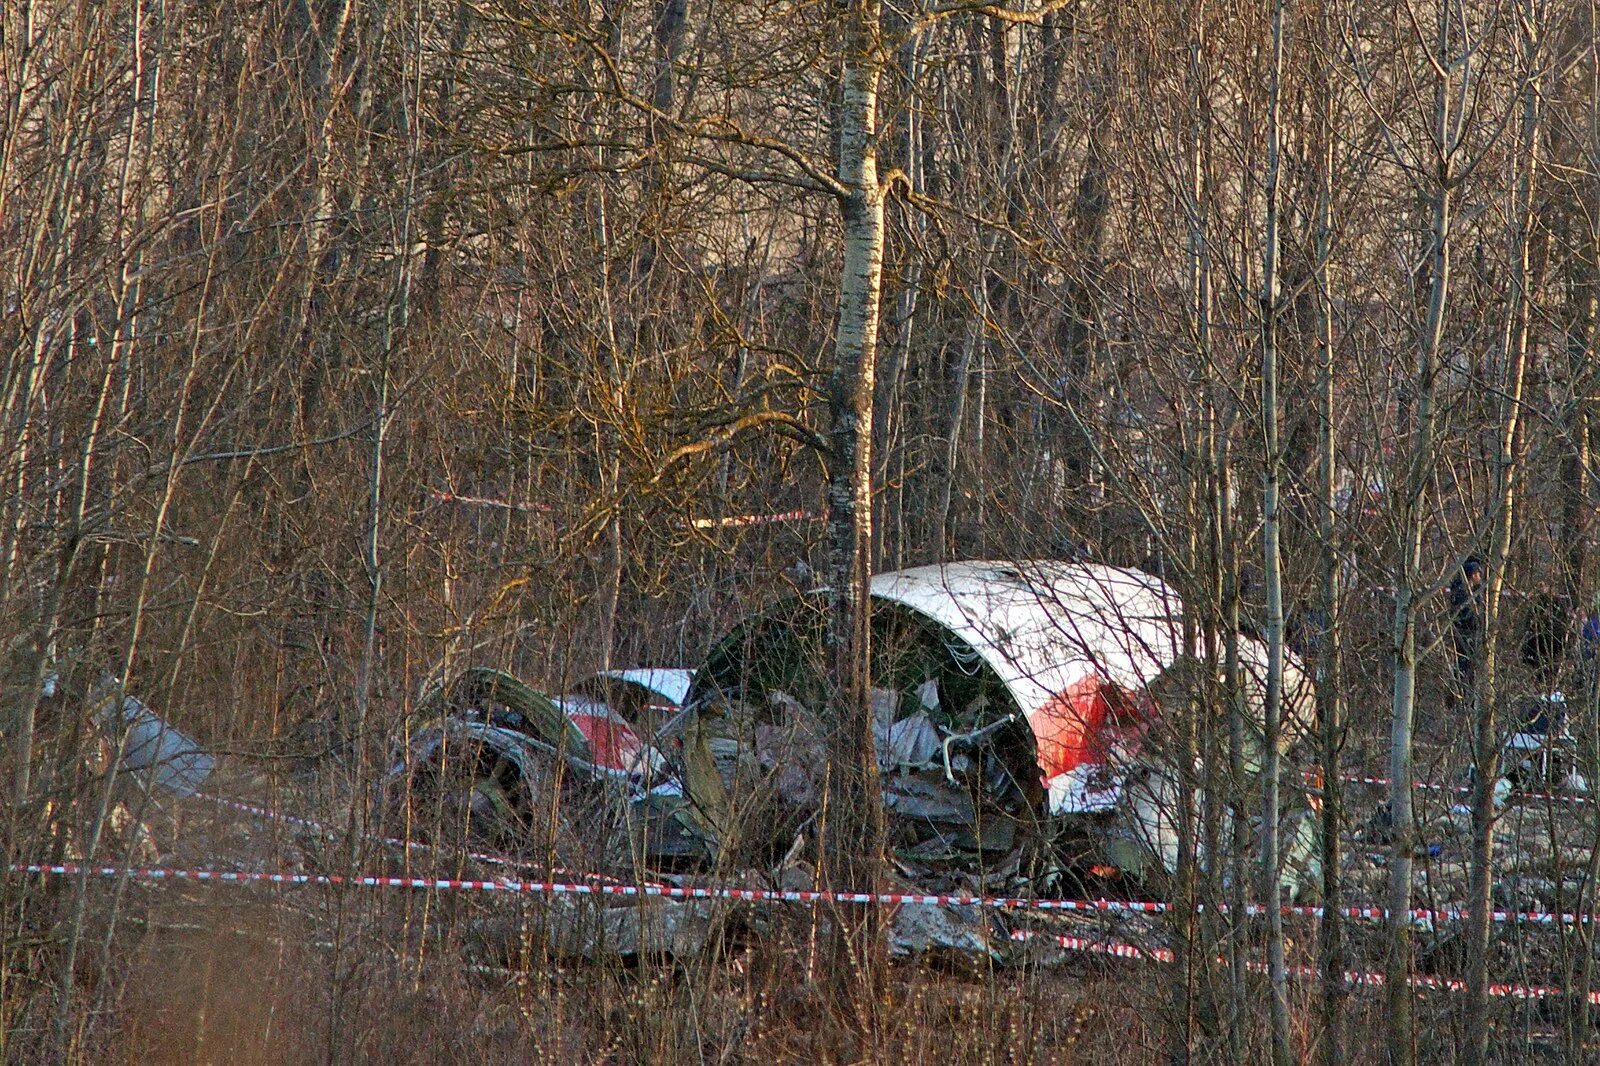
point(248, 975)
point(187, 973)
point(263, 976)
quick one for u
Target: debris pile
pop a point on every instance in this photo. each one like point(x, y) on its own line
point(1016, 710)
point(1018, 718)
point(1023, 719)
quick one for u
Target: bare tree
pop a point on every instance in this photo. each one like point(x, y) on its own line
point(1439, 168)
point(1272, 563)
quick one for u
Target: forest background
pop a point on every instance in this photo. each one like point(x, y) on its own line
point(348, 342)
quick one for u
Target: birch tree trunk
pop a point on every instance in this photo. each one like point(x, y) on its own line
point(1401, 1035)
point(1580, 481)
point(396, 321)
point(1272, 569)
point(1485, 746)
point(852, 828)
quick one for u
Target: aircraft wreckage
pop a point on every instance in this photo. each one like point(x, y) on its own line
point(1019, 714)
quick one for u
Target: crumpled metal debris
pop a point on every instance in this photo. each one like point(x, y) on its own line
point(161, 755)
point(922, 928)
point(494, 760)
point(650, 927)
point(1010, 701)
point(1014, 716)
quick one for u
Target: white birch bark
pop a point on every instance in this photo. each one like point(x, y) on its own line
point(1272, 568)
point(1485, 747)
point(1408, 577)
point(852, 829)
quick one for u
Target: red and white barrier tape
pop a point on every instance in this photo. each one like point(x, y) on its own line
point(1351, 977)
point(1460, 790)
point(510, 885)
point(732, 521)
point(1118, 950)
point(484, 501)
point(268, 877)
point(1096, 947)
point(755, 520)
point(1383, 782)
point(607, 887)
point(556, 888)
point(409, 845)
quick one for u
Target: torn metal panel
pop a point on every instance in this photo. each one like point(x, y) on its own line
point(641, 928)
point(469, 776)
point(496, 760)
point(481, 693)
point(670, 686)
point(922, 928)
point(495, 709)
point(1078, 647)
point(1043, 627)
point(1005, 694)
point(581, 928)
point(611, 741)
point(164, 757)
point(646, 698)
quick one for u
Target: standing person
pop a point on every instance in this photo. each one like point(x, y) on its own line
point(1589, 700)
point(1466, 620)
point(1544, 641)
point(1589, 638)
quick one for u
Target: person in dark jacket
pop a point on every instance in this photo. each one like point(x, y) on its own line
point(1466, 620)
point(1589, 636)
point(1544, 641)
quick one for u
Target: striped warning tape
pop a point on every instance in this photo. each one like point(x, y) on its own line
point(1351, 977)
point(510, 885)
point(1383, 782)
point(596, 887)
point(270, 877)
point(736, 521)
point(322, 829)
point(1071, 943)
point(729, 522)
point(1460, 790)
point(484, 501)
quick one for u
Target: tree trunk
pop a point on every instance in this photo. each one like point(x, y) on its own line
point(1194, 932)
point(1401, 1035)
point(852, 828)
point(1239, 836)
point(1329, 697)
point(1485, 747)
point(1272, 569)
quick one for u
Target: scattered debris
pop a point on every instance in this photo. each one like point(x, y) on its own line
point(495, 760)
point(636, 928)
point(921, 928)
point(162, 757)
point(1021, 718)
point(1013, 708)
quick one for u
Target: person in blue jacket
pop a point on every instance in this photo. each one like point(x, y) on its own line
point(1466, 620)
